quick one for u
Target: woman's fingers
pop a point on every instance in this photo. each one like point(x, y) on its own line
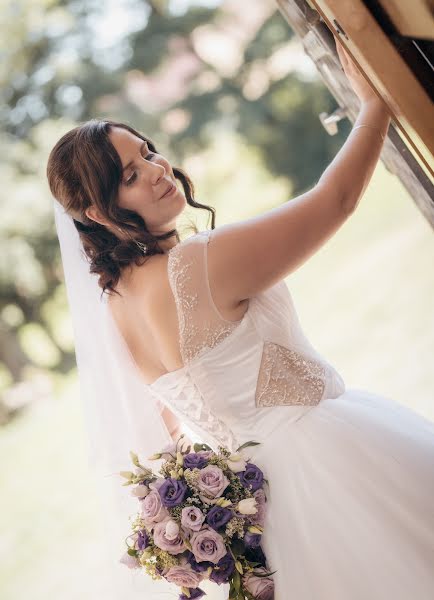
point(343, 57)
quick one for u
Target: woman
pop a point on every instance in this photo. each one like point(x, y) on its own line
point(212, 332)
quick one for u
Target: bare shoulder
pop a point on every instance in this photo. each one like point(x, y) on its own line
point(149, 288)
point(155, 295)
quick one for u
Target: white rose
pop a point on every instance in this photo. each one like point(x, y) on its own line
point(172, 530)
point(140, 491)
point(236, 463)
point(247, 506)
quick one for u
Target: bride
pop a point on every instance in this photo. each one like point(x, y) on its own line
point(204, 333)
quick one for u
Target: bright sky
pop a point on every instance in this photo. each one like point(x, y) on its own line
point(123, 16)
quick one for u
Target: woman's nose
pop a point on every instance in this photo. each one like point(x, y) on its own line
point(155, 172)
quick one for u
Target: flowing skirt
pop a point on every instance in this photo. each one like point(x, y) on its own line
point(350, 514)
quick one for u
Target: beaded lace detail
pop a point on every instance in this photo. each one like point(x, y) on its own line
point(288, 378)
point(196, 331)
point(189, 403)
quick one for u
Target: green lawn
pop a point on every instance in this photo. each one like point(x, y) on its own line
point(365, 302)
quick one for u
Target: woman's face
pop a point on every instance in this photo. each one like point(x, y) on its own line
point(145, 180)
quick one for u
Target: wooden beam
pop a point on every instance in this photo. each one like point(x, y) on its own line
point(380, 62)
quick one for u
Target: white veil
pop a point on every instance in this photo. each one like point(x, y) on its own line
point(119, 413)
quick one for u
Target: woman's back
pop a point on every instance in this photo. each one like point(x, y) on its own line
point(146, 316)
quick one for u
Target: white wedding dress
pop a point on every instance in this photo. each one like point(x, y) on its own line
point(351, 473)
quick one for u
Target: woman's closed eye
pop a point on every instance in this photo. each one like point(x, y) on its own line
point(133, 177)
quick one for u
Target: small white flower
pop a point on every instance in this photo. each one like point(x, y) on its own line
point(236, 463)
point(172, 530)
point(140, 491)
point(247, 506)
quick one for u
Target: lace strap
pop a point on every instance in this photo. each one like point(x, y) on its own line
point(201, 326)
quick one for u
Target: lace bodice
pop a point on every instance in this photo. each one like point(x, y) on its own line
point(199, 327)
point(234, 371)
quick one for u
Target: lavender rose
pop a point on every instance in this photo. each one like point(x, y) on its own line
point(251, 477)
point(218, 516)
point(152, 510)
point(192, 518)
point(262, 588)
point(184, 576)
point(223, 570)
point(207, 544)
point(172, 492)
point(194, 595)
point(259, 517)
point(172, 546)
point(194, 460)
point(212, 481)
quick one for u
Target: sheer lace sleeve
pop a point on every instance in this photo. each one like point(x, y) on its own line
point(201, 326)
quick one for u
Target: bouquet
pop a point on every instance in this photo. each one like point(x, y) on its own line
point(201, 518)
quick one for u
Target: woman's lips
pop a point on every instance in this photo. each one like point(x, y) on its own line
point(169, 191)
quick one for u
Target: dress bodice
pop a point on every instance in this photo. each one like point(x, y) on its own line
point(239, 379)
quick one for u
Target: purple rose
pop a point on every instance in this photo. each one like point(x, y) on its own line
point(259, 517)
point(142, 540)
point(212, 481)
point(218, 516)
point(172, 545)
point(183, 575)
point(252, 540)
point(194, 460)
point(198, 566)
point(172, 492)
point(207, 544)
point(223, 570)
point(152, 509)
point(194, 594)
point(192, 518)
point(251, 477)
point(262, 588)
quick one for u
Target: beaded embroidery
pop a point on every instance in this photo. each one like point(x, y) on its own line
point(189, 404)
point(288, 378)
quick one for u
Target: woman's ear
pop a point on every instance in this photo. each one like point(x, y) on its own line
point(93, 213)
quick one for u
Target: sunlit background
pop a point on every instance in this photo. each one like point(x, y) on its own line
point(226, 92)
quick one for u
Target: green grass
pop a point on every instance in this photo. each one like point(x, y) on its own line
point(50, 543)
point(364, 300)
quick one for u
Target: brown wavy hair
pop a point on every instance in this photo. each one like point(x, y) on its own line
point(85, 169)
